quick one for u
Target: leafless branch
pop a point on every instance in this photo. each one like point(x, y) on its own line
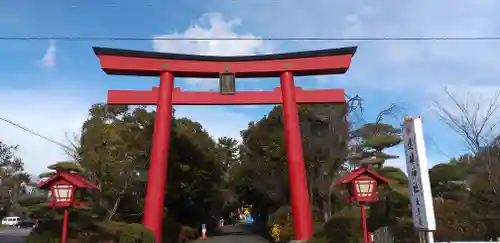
point(394, 111)
point(466, 118)
point(73, 147)
point(355, 109)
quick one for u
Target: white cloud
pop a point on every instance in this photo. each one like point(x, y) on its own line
point(51, 113)
point(217, 120)
point(212, 25)
point(49, 58)
point(354, 23)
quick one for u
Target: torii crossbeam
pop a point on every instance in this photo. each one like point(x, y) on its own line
point(150, 97)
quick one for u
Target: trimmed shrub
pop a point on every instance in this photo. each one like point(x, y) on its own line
point(174, 232)
point(283, 217)
point(344, 226)
point(187, 234)
point(66, 165)
point(99, 232)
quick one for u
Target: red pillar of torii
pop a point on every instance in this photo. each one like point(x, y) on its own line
point(168, 65)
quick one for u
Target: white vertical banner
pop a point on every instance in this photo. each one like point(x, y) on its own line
point(418, 175)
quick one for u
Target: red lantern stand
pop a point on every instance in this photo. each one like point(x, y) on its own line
point(362, 186)
point(62, 187)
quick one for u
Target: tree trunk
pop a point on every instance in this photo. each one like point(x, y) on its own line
point(113, 211)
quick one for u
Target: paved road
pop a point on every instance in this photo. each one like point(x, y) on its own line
point(13, 235)
point(239, 233)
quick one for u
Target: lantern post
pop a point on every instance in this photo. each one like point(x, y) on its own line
point(62, 187)
point(362, 186)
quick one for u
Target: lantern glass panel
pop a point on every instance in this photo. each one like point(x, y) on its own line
point(63, 192)
point(364, 188)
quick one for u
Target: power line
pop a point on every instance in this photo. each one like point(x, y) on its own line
point(300, 39)
point(35, 133)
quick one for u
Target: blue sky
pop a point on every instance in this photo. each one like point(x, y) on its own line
point(48, 86)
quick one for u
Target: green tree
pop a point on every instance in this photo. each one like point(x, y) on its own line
point(465, 204)
point(449, 181)
point(371, 140)
point(229, 155)
point(12, 176)
point(228, 151)
point(332, 146)
point(457, 221)
point(263, 171)
point(113, 151)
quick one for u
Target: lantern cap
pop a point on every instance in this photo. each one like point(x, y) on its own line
point(363, 171)
point(74, 179)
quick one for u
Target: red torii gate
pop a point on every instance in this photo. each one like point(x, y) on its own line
point(168, 65)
